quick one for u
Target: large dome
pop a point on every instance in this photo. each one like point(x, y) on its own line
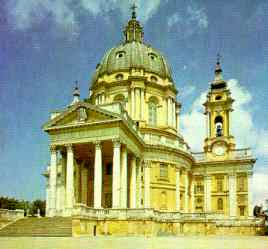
point(133, 53)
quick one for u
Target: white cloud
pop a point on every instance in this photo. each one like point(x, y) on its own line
point(187, 91)
point(25, 13)
point(190, 21)
point(243, 128)
point(173, 19)
point(260, 188)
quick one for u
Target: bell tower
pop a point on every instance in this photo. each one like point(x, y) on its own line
point(218, 107)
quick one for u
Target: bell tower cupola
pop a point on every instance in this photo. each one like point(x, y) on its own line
point(218, 108)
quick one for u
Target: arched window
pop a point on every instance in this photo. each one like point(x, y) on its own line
point(152, 106)
point(120, 98)
point(219, 126)
point(220, 204)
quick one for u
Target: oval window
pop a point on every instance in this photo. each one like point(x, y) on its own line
point(153, 79)
point(119, 76)
point(218, 97)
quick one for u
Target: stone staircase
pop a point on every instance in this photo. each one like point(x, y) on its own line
point(39, 227)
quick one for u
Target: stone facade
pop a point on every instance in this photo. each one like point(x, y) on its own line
point(120, 152)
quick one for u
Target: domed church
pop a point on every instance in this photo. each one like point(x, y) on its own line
point(119, 164)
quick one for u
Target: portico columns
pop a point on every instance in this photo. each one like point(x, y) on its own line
point(186, 195)
point(178, 201)
point(70, 179)
point(124, 178)
point(133, 183)
point(116, 174)
point(232, 195)
point(53, 181)
point(97, 176)
point(207, 193)
point(250, 208)
point(147, 184)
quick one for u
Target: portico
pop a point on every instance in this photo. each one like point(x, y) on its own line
point(102, 174)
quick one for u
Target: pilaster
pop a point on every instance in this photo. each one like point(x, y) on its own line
point(178, 202)
point(207, 186)
point(250, 183)
point(232, 195)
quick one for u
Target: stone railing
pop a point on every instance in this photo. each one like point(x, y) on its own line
point(238, 154)
point(154, 139)
point(11, 214)
point(82, 210)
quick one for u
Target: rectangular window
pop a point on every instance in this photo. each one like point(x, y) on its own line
point(241, 185)
point(219, 184)
point(163, 170)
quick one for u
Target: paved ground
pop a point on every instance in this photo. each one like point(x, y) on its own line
point(189, 242)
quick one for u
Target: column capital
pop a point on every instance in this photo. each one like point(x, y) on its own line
point(116, 143)
point(97, 144)
point(232, 174)
point(53, 148)
point(69, 147)
point(147, 164)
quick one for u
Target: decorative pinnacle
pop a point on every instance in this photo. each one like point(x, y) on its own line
point(133, 8)
point(218, 64)
point(76, 91)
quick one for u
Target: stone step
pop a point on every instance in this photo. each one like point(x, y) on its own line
point(39, 227)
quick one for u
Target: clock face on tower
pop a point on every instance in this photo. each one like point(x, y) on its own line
point(219, 149)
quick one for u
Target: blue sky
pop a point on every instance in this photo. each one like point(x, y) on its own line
point(46, 45)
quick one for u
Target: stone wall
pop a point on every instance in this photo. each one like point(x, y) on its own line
point(7, 216)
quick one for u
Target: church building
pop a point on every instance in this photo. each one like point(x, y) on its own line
point(120, 165)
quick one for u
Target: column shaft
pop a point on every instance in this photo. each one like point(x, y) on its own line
point(53, 180)
point(178, 201)
point(142, 104)
point(97, 176)
point(132, 103)
point(147, 185)
point(116, 174)
point(178, 121)
point(70, 179)
point(124, 178)
point(133, 183)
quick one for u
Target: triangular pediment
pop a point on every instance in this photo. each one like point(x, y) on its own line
point(80, 113)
